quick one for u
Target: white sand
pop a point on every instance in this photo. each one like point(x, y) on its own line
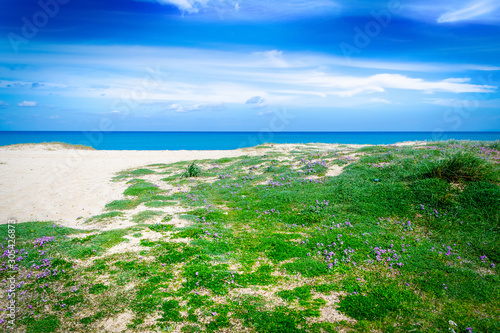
point(54, 183)
point(41, 183)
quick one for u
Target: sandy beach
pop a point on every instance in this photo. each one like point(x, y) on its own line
point(53, 183)
point(57, 183)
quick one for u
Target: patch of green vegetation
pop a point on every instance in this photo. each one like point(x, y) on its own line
point(142, 188)
point(146, 215)
point(307, 267)
point(104, 216)
point(327, 287)
point(90, 319)
point(377, 303)
point(159, 204)
point(98, 289)
point(43, 325)
point(73, 300)
point(190, 232)
point(161, 227)
point(122, 204)
point(191, 171)
point(141, 172)
point(176, 253)
point(170, 311)
point(301, 293)
point(279, 250)
point(460, 167)
point(217, 278)
point(277, 321)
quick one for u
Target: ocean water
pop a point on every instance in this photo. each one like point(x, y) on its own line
point(226, 140)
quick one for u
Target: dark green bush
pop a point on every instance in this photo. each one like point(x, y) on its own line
point(460, 167)
point(191, 171)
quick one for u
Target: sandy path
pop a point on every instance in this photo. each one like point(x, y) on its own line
point(61, 185)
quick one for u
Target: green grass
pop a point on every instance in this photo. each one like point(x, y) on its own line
point(104, 216)
point(412, 251)
point(460, 167)
point(122, 204)
point(141, 172)
point(142, 188)
point(145, 215)
point(158, 204)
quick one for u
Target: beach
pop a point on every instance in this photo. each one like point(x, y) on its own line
point(64, 184)
point(133, 241)
point(54, 183)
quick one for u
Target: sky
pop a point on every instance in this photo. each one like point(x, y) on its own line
point(250, 65)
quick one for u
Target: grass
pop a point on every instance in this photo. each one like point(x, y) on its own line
point(417, 250)
point(146, 215)
point(53, 143)
point(122, 204)
point(104, 216)
point(460, 167)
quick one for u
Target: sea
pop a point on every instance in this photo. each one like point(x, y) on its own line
point(226, 140)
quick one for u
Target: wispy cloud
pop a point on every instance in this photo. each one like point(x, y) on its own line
point(190, 80)
point(471, 11)
point(189, 6)
point(193, 107)
point(3, 105)
point(252, 9)
point(466, 104)
point(257, 102)
point(380, 100)
point(27, 103)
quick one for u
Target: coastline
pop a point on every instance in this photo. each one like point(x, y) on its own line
point(53, 182)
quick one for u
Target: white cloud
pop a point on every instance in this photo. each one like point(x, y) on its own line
point(193, 79)
point(380, 100)
point(3, 105)
point(176, 108)
point(189, 6)
point(253, 9)
point(472, 11)
point(263, 113)
point(194, 107)
point(257, 102)
point(273, 58)
point(28, 103)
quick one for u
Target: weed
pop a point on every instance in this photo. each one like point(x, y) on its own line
point(191, 171)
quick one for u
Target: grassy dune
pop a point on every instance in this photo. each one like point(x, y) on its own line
point(400, 239)
point(54, 145)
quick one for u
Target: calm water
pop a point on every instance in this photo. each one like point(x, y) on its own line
point(227, 140)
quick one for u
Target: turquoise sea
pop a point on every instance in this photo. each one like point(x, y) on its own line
point(226, 140)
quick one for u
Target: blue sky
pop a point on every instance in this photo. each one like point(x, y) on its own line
point(249, 65)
